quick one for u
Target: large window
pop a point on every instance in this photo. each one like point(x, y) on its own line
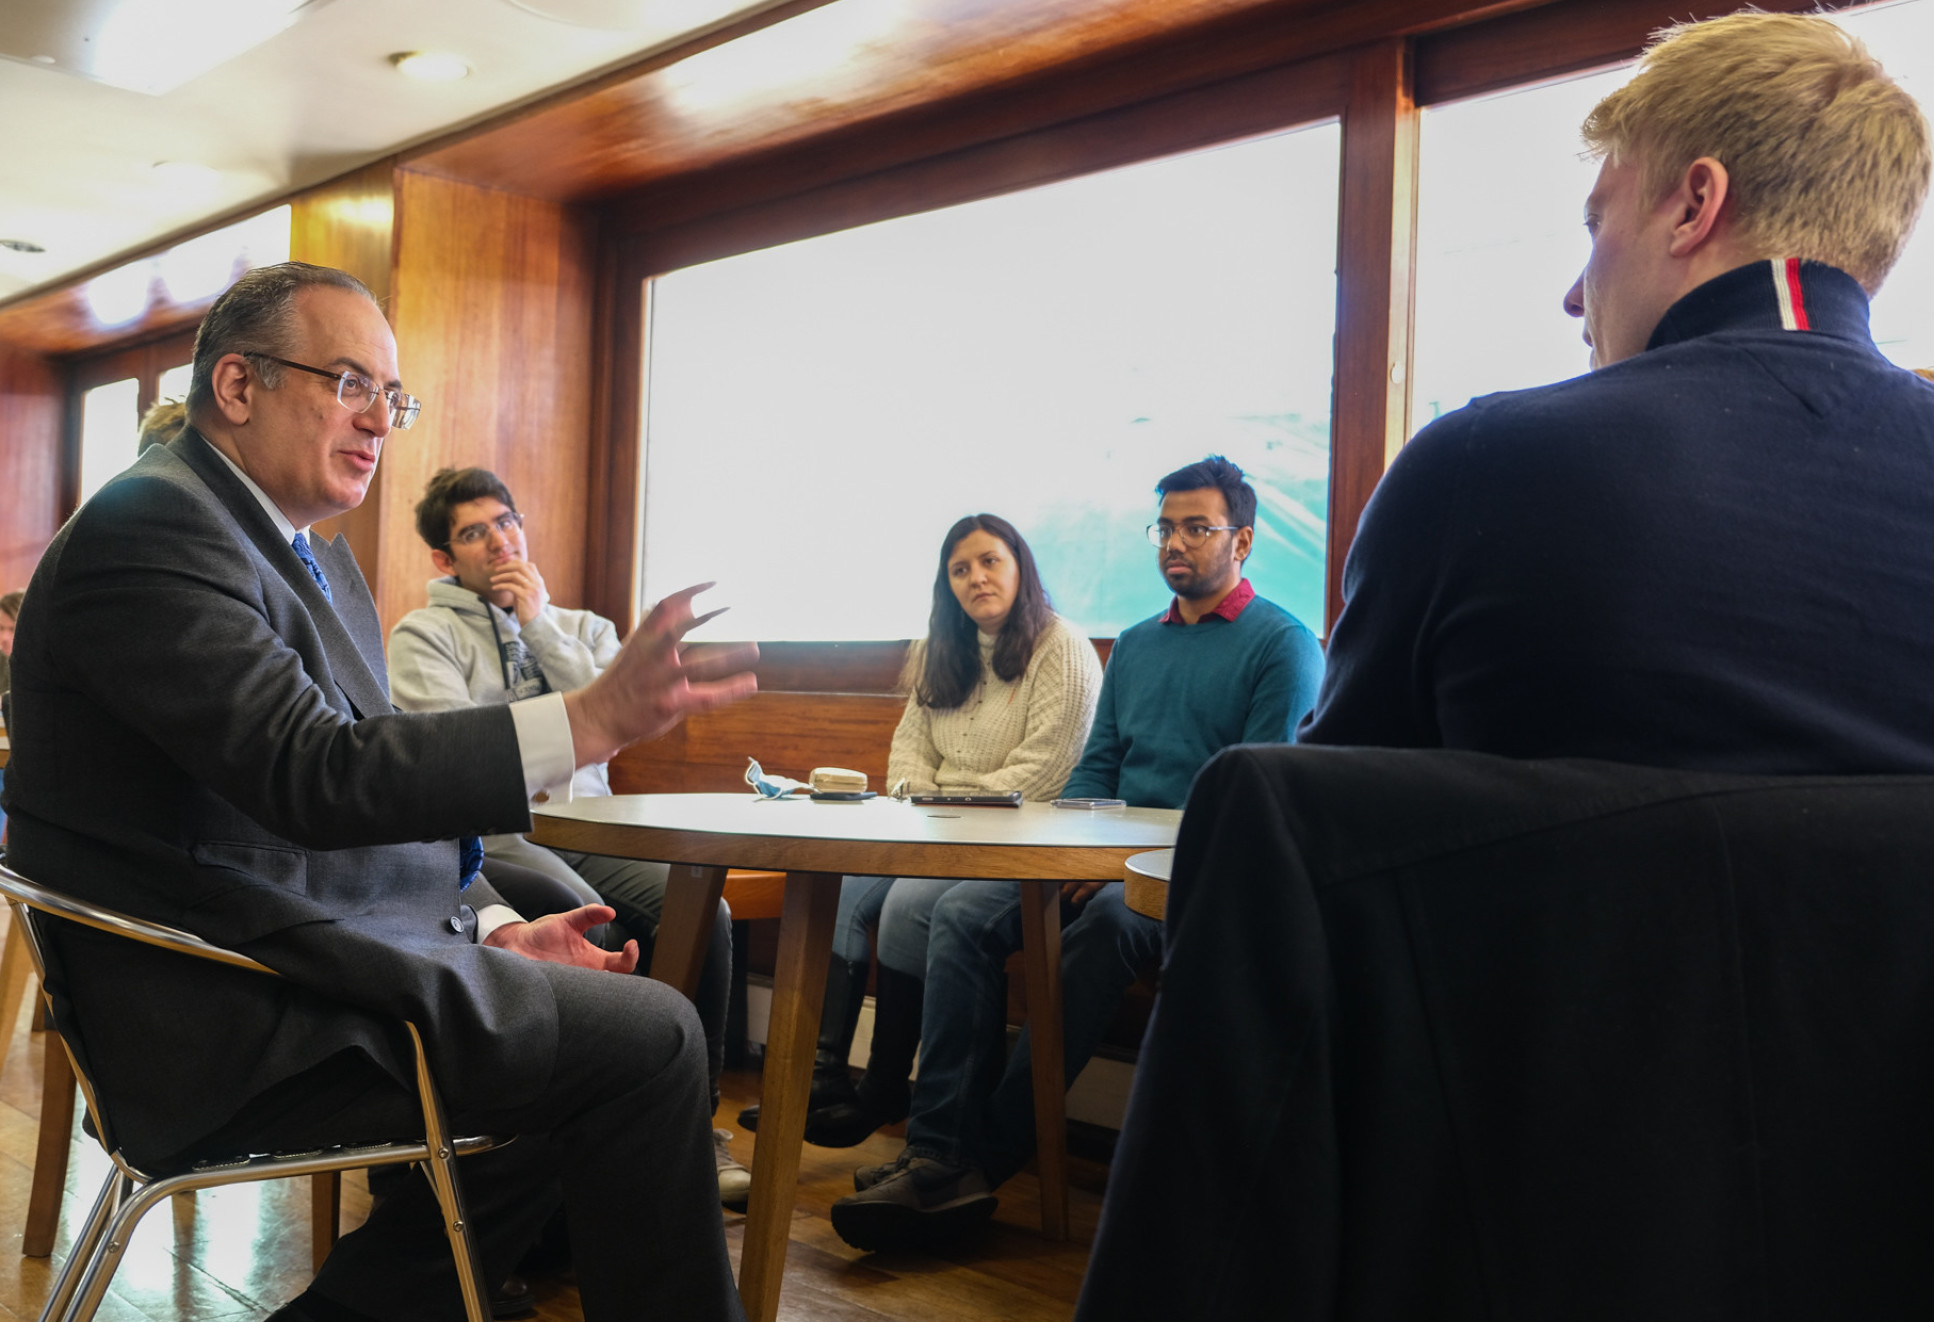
point(1501, 193)
point(110, 422)
point(1502, 187)
point(819, 413)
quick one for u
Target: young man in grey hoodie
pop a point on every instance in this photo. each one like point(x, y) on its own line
point(491, 635)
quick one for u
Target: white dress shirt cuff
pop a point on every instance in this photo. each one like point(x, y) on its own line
point(493, 916)
point(544, 744)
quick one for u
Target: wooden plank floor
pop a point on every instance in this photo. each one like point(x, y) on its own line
point(239, 1253)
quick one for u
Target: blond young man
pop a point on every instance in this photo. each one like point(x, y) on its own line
point(1714, 551)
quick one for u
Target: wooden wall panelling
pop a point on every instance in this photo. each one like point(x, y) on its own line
point(615, 534)
point(1376, 248)
point(870, 667)
point(790, 734)
point(492, 300)
point(841, 668)
point(31, 394)
point(350, 223)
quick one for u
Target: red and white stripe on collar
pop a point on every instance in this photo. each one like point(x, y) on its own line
point(1786, 287)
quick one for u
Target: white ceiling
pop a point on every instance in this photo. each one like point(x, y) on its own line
point(78, 176)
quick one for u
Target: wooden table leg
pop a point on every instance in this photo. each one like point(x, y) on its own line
point(685, 926)
point(50, 1156)
point(798, 987)
point(1041, 959)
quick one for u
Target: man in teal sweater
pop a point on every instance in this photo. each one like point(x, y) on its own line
point(1221, 666)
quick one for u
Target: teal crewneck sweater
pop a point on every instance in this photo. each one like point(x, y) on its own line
point(1175, 695)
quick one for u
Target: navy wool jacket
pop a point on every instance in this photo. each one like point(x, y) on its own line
point(1716, 555)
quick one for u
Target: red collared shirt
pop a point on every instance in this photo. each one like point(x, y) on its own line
point(1228, 608)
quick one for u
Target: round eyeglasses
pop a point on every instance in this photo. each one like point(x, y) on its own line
point(356, 392)
point(471, 533)
point(1191, 535)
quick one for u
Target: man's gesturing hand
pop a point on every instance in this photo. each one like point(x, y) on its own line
point(558, 938)
point(652, 684)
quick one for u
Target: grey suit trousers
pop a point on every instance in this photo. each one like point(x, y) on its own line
point(636, 890)
point(621, 1135)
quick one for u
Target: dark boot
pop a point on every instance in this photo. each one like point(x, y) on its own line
point(839, 1015)
point(885, 1093)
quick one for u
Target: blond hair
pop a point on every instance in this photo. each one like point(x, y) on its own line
point(1828, 158)
point(159, 424)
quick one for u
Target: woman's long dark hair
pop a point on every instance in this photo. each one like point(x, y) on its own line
point(951, 659)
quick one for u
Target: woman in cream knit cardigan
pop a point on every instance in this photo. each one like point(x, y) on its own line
point(1001, 694)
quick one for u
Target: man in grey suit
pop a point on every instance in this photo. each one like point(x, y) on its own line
point(203, 736)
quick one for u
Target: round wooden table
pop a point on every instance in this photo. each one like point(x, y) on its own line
point(1145, 878)
point(815, 844)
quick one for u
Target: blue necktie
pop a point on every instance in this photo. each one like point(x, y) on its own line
point(301, 545)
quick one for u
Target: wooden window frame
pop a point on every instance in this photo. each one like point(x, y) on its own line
point(145, 361)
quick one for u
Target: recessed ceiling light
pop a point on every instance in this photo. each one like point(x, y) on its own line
point(431, 66)
point(21, 245)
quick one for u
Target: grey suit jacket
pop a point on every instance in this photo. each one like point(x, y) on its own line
point(200, 738)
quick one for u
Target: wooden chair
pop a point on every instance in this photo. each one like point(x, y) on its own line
point(129, 1191)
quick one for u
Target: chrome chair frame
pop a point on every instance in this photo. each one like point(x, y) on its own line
point(129, 1192)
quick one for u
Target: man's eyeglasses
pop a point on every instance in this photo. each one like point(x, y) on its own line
point(1192, 535)
point(470, 534)
point(356, 392)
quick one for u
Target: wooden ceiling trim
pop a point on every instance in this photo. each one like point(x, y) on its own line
point(1055, 56)
point(476, 154)
point(1201, 60)
point(1243, 107)
point(60, 323)
point(612, 141)
point(1558, 40)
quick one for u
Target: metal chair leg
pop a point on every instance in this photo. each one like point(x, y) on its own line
point(114, 1242)
point(442, 1170)
point(113, 1191)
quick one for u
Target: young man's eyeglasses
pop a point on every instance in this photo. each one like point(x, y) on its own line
point(472, 533)
point(356, 392)
point(1191, 535)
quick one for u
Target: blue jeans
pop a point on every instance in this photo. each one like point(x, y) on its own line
point(902, 909)
point(969, 1109)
